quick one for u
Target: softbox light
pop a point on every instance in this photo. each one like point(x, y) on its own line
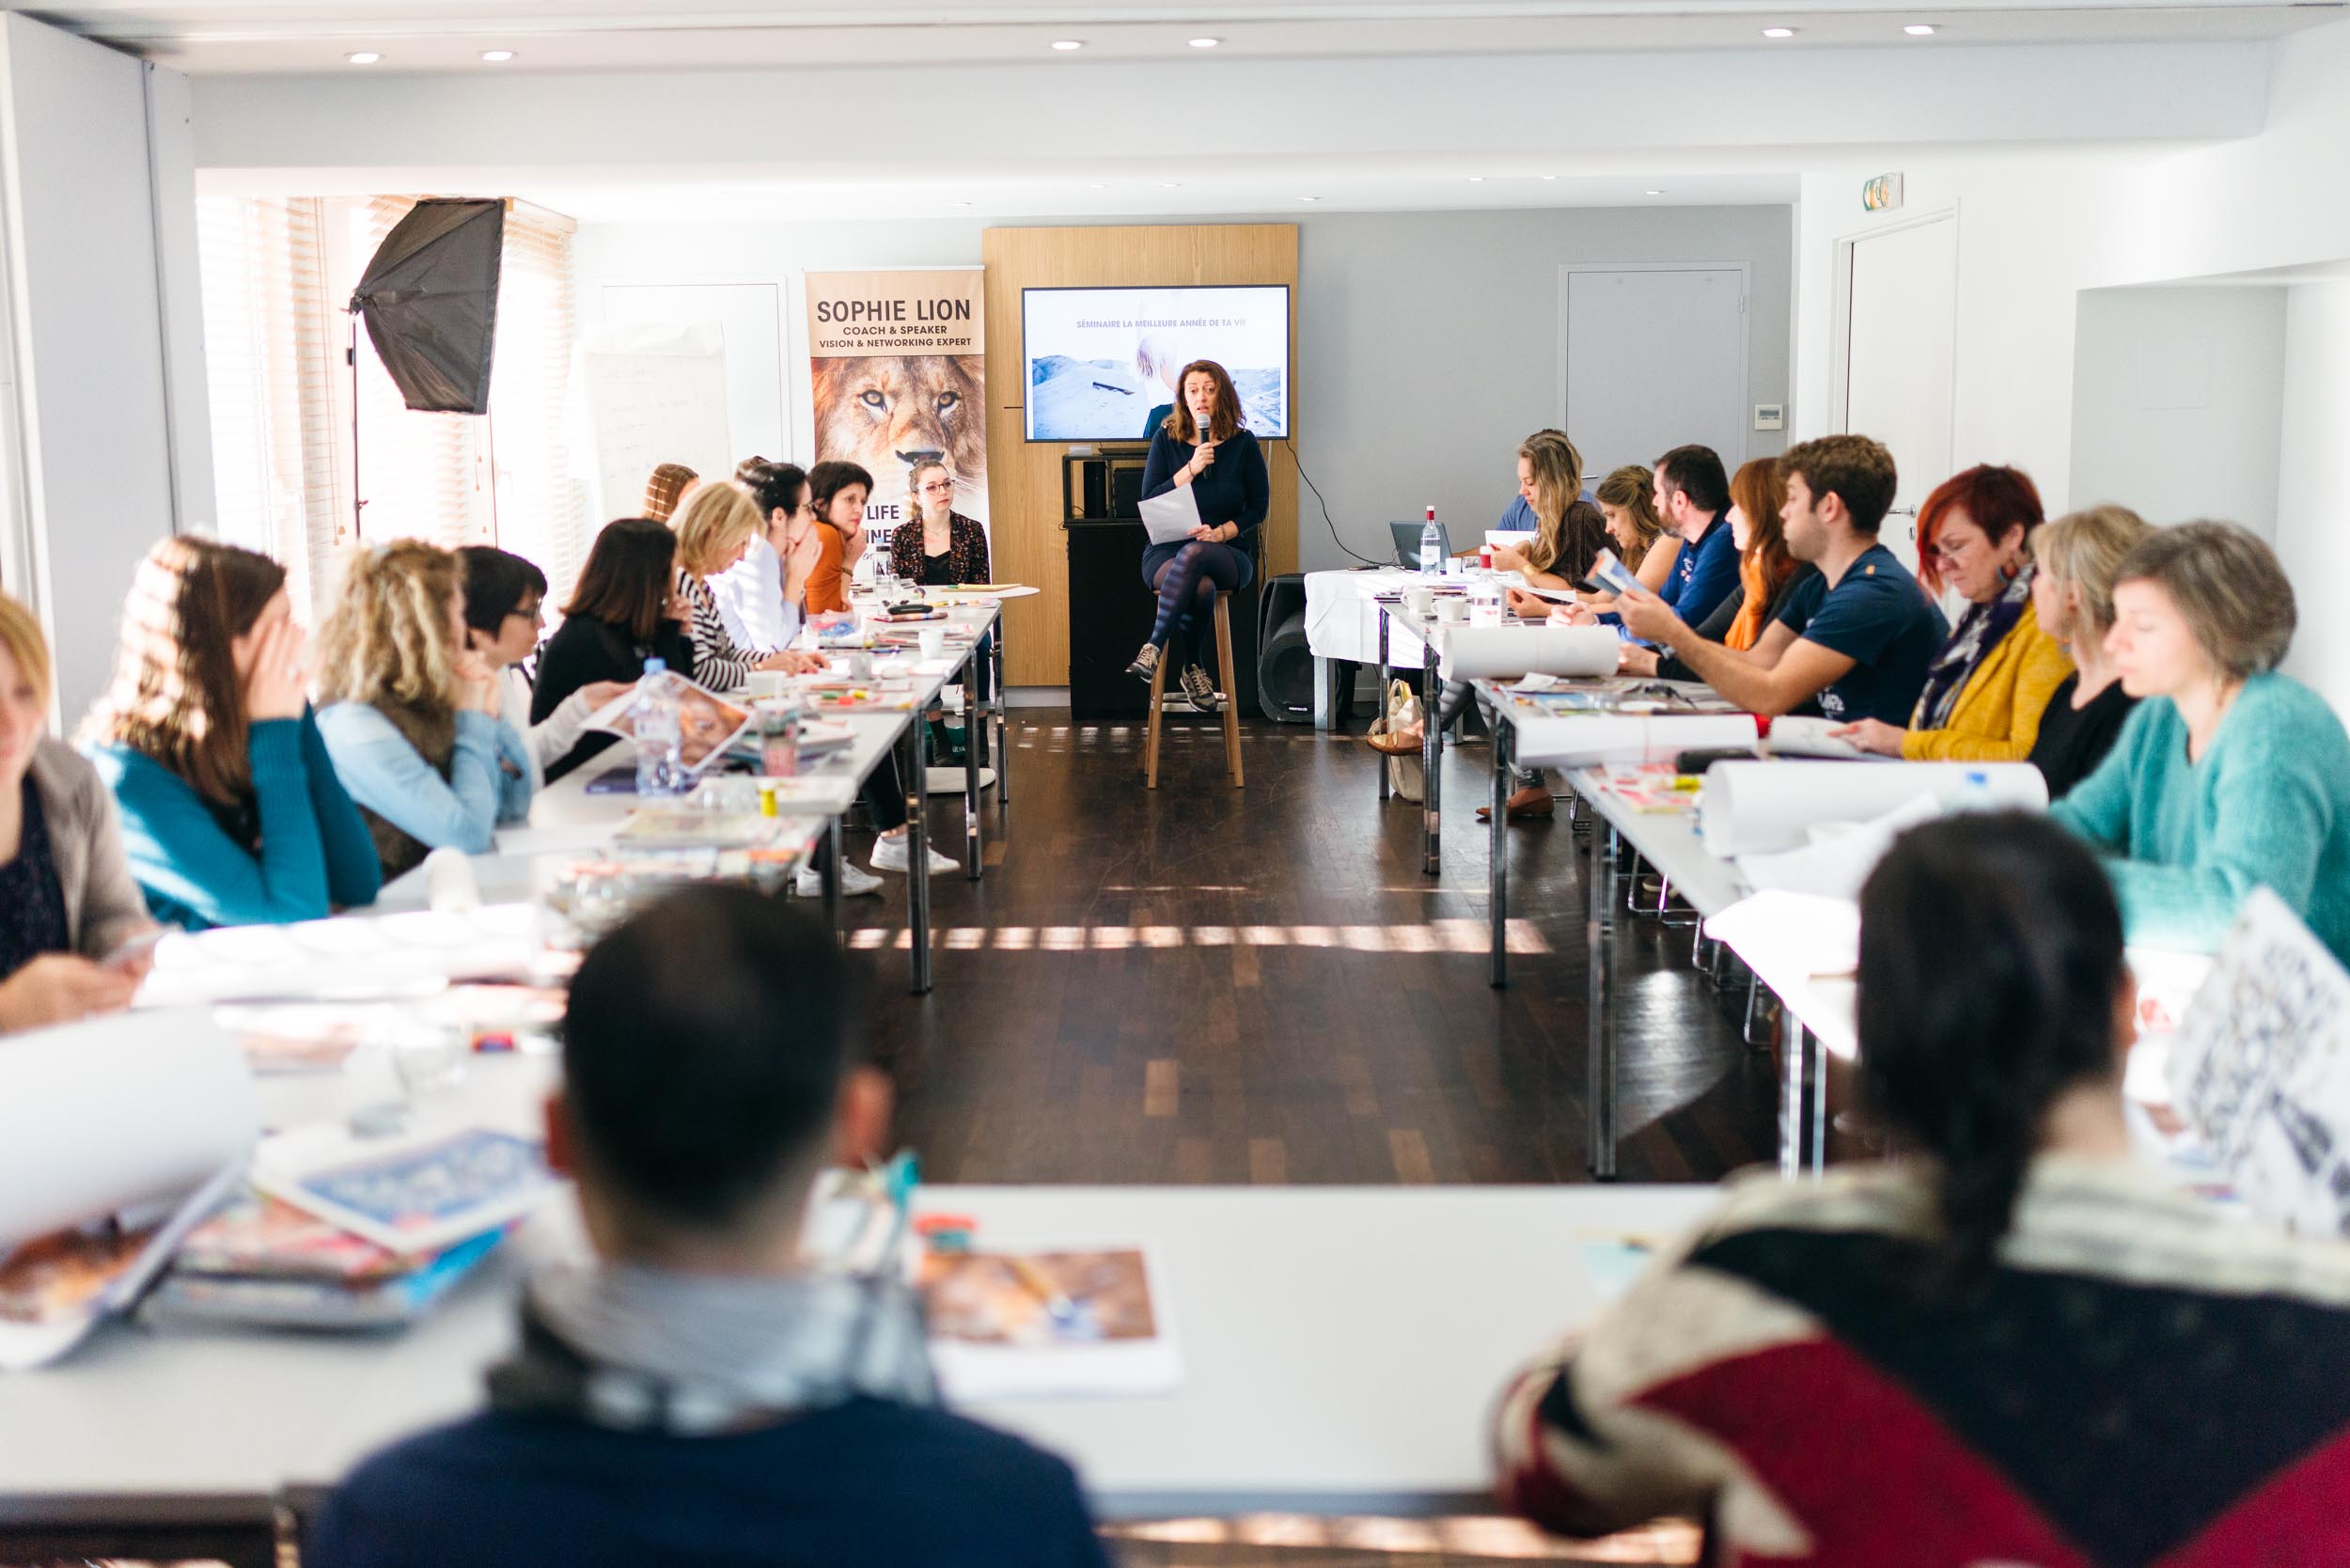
point(430, 298)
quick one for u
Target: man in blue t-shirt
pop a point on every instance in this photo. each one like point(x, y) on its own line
point(1692, 494)
point(1858, 636)
point(697, 1396)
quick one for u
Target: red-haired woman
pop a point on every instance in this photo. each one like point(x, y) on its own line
point(1987, 689)
point(1203, 444)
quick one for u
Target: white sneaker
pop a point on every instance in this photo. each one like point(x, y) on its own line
point(948, 781)
point(810, 882)
point(889, 855)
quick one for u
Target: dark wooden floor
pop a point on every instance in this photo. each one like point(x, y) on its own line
point(1204, 984)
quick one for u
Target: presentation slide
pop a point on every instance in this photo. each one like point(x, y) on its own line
point(1101, 359)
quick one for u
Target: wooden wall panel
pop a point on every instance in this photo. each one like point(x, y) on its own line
point(1023, 492)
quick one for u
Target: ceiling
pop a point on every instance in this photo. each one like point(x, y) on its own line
point(231, 37)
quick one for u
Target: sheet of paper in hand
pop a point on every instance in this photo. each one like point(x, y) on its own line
point(2260, 1066)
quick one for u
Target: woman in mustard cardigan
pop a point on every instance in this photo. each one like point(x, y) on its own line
point(1985, 691)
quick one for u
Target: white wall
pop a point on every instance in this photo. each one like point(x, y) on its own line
point(1427, 342)
point(2177, 394)
point(2312, 537)
point(92, 428)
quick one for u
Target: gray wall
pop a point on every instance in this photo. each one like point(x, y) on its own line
point(2178, 397)
point(1429, 347)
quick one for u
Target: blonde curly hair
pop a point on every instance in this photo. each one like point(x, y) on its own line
point(388, 642)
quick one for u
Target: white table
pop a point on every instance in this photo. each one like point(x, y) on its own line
point(1341, 1346)
point(566, 819)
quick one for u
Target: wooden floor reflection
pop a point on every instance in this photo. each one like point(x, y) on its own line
point(1202, 985)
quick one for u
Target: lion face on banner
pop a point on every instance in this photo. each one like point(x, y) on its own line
point(893, 411)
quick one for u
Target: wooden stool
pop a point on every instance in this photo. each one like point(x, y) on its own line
point(1231, 708)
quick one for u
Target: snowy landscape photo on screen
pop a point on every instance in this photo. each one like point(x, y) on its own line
point(1098, 360)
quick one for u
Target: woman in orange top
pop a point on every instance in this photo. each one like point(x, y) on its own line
point(838, 491)
point(1766, 569)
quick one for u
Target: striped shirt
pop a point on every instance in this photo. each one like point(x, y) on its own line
point(2141, 1379)
point(720, 662)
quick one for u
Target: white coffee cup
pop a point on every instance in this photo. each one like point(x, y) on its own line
point(1453, 611)
point(767, 683)
point(1417, 600)
point(931, 640)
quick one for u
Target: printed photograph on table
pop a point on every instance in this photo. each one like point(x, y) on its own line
point(1024, 1299)
point(708, 724)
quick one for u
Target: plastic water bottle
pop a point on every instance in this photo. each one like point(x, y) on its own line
point(660, 770)
point(1431, 547)
point(1974, 794)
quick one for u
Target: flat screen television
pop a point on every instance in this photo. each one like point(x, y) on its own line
point(1098, 360)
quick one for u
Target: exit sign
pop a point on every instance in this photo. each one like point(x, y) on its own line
point(1883, 194)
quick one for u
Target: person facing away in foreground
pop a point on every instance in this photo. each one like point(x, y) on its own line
point(694, 1397)
point(2009, 1345)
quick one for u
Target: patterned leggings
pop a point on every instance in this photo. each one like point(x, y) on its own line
point(1187, 587)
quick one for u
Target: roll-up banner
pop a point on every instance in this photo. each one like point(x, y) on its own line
point(899, 378)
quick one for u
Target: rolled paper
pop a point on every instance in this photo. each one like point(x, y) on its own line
point(115, 1113)
point(1756, 807)
point(1497, 652)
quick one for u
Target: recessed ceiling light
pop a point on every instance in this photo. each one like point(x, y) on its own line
point(1171, 184)
point(1652, 192)
point(1921, 30)
point(963, 204)
point(1477, 180)
point(1069, 43)
point(1309, 198)
point(1101, 187)
point(1550, 177)
point(1205, 44)
point(364, 56)
point(1778, 32)
point(497, 57)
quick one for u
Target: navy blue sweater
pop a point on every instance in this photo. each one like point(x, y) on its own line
point(1236, 488)
point(869, 1482)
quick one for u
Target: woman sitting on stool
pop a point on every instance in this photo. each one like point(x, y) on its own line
point(1232, 494)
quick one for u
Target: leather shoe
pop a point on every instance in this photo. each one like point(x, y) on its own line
point(1531, 803)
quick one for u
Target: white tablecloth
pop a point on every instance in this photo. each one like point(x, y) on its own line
point(1341, 622)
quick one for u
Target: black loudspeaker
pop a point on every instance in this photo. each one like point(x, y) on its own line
point(1111, 611)
point(1125, 490)
point(1285, 665)
point(430, 297)
point(1095, 500)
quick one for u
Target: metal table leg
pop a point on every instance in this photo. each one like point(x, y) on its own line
point(1431, 756)
point(1496, 845)
point(1790, 1059)
point(1599, 958)
point(1385, 787)
point(1003, 706)
point(831, 875)
point(972, 726)
point(918, 856)
point(1816, 1055)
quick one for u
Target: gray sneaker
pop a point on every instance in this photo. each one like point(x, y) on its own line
point(1146, 663)
point(1201, 690)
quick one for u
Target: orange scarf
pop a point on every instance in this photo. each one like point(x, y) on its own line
point(1747, 628)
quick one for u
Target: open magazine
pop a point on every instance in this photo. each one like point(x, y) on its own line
point(708, 724)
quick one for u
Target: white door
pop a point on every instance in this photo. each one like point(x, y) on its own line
point(1651, 358)
point(1899, 347)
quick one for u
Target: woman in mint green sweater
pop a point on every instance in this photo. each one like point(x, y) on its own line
point(231, 813)
point(2229, 777)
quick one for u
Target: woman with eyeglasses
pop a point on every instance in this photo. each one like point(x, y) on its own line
point(939, 547)
point(1985, 691)
point(505, 608)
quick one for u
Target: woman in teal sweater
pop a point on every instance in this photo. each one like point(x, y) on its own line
point(2229, 777)
point(231, 813)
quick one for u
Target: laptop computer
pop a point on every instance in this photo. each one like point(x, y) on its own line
point(1407, 542)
